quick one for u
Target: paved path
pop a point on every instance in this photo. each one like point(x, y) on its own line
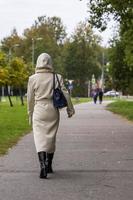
point(93, 161)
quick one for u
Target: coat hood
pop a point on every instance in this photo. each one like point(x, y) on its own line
point(44, 61)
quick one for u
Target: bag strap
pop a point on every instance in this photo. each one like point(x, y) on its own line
point(58, 81)
point(53, 80)
point(55, 75)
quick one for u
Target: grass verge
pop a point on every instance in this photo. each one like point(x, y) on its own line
point(13, 125)
point(124, 108)
point(78, 100)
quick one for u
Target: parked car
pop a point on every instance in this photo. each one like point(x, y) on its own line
point(112, 93)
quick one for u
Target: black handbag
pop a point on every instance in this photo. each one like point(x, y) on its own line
point(59, 99)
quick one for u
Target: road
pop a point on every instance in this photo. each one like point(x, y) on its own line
point(93, 160)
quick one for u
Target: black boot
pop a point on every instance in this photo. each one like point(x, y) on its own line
point(43, 164)
point(50, 158)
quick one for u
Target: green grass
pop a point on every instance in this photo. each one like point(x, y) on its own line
point(13, 124)
point(78, 100)
point(124, 108)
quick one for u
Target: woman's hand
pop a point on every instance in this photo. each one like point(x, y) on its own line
point(70, 112)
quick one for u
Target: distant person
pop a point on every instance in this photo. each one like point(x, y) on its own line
point(100, 94)
point(95, 95)
point(43, 116)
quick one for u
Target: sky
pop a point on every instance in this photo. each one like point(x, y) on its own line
point(21, 14)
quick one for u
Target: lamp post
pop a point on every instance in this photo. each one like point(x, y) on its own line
point(33, 49)
point(33, 52)
point(93, 81)
point(102, 76)
point(10, 57)
point(10, 51)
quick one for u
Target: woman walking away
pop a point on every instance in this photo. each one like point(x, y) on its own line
point(43, 116)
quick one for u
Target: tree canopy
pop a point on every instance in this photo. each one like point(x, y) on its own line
point(102, 10)
point(77, 57)
point(121, 54)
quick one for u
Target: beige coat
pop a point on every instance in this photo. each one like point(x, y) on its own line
point(42, 114)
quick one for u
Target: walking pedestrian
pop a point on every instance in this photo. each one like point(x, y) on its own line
point(95, 95)
point(43, 116)
point(100, 93)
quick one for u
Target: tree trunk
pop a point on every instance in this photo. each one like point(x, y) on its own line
point(9, 97)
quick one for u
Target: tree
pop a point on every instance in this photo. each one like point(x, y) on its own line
point(12, 45)
point(4, 74)
point(18, 75)
point(101, 11)
point(120, 71)
point(81, 58)
point(52, 34)
point(47, 33)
